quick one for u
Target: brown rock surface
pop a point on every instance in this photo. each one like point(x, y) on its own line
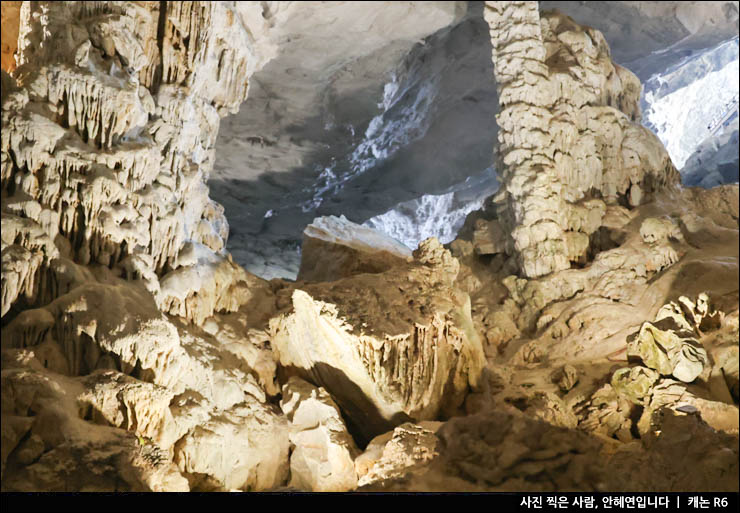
point(10, 18)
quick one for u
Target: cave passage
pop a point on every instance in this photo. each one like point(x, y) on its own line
point(403, 139)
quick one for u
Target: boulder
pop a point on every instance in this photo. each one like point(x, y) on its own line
point(635, 383)
point(405, 349)
point(668, 352)
point(335, 248)
point(322, 459)
point(565, 378)
point(392, 454)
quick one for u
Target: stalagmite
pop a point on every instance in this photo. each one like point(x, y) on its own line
point(568, 134)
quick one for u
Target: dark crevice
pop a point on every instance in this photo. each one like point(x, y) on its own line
point(157, 77)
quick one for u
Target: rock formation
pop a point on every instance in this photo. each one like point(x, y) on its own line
point(580, 334)
point(109, 123)
point(404, 350)
point(335, 248)
point(568, 135)
point(395, 453)
point(324, 453)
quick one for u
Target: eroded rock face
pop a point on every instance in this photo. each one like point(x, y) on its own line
point(668, 353)
point(226, 450)
point(507, 451)
point(109, 123)
point(406, 350)
point(669, 346)
point(393, 454)
point(189, 394)
point(647, 390)
point(107, 147)
point(75, 454)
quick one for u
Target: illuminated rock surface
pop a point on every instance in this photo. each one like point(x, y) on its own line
point(322, 459)
point(580, 333)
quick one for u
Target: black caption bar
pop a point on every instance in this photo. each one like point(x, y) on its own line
point(628, 501)
point(356, 502)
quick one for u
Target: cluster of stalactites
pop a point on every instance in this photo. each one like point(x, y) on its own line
point(109, 127)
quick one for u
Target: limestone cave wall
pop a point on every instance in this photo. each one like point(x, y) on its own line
point(582, 323)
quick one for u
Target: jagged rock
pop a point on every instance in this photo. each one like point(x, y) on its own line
point(109, 124)
point(502, 329)
point(654, 229)
point(668, 345)
point(335, 248)
point(139, 340)
point(608, 413)
point(700, 313)
point(615, 274)
point(322, 459)
point(565, 378)
point(252, 348)
point(551, 409)
point(206, 283)
point(75, 454)
point(668, 352)
point(392, 454)
point(25, 250)
point(691, 317)
point(635, 383)
point(110, 152)
point(226, 450)
point(432, 254)
point(674, 312)
point(404, 350)
point(677, 397)
point(214, 448)
point(683, 438)
point(507, 451)
point(119, 400)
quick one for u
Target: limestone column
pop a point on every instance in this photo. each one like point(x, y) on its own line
point(569, 141)
point(534, 209)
